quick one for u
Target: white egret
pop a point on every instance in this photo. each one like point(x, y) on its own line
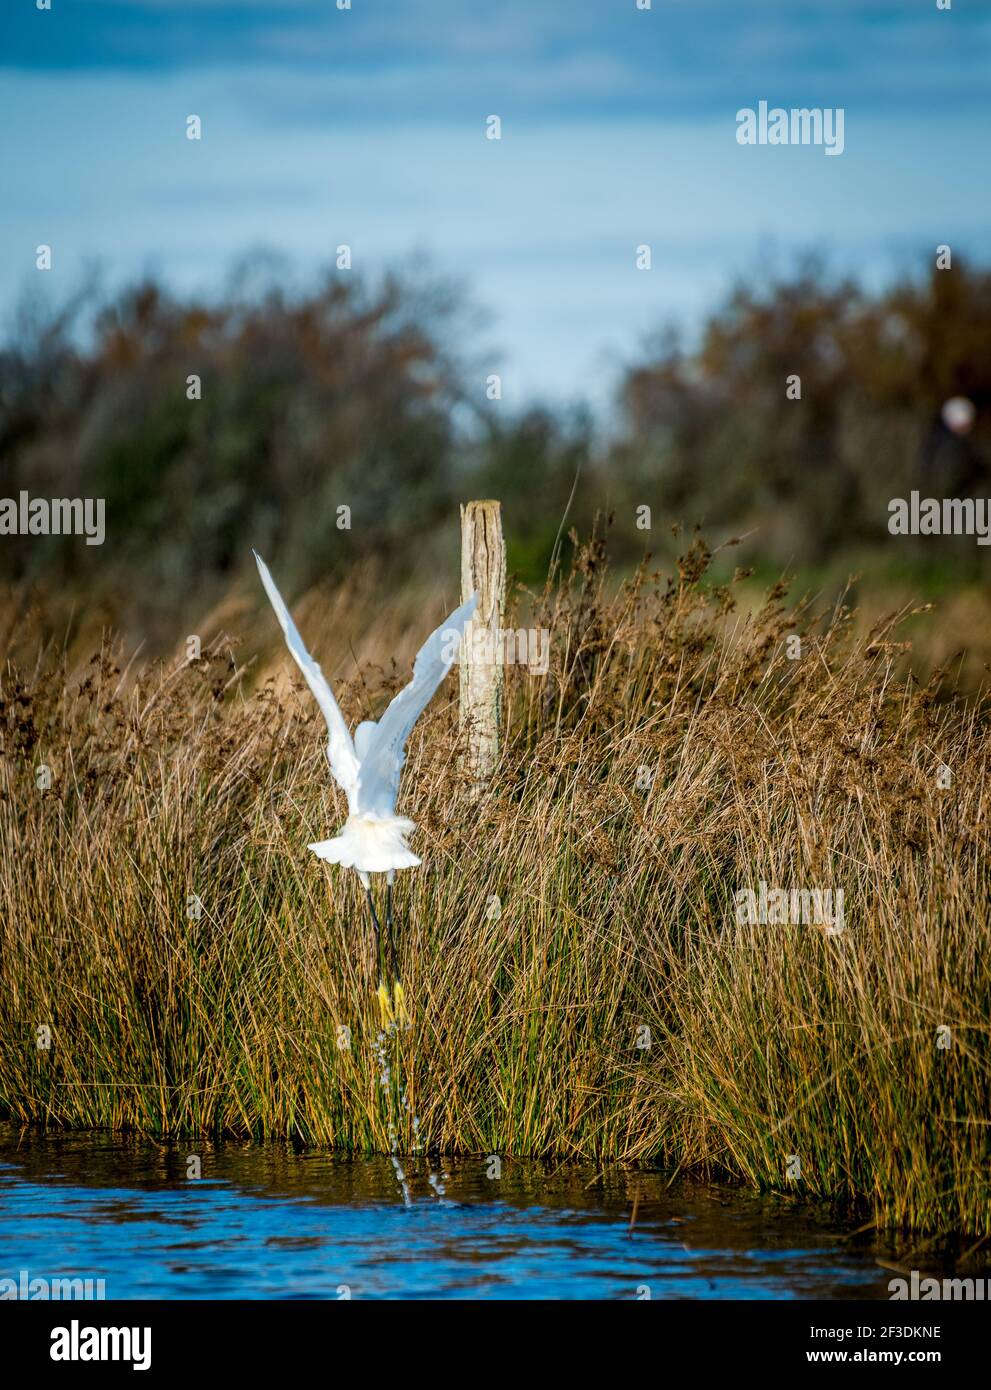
point(373, 839)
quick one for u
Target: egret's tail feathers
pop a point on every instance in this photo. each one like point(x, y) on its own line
point(370, 844)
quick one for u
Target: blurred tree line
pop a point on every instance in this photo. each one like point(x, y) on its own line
point(811, 475)
point(367, 397)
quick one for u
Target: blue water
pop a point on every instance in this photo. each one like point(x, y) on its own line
point(265, 1222)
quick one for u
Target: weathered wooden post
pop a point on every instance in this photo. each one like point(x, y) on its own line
point(483, 571)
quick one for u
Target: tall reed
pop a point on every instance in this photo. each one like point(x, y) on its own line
point(582, 979)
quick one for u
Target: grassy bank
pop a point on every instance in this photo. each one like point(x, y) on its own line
point(674, 755)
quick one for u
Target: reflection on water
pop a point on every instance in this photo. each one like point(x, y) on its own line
point(266, 1222)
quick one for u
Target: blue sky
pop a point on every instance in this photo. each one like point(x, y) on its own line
point(366, 126)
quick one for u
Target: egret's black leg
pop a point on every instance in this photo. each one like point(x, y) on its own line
point(388, 927)
point(375, 929)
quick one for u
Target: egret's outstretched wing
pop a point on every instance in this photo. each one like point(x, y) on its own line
point(378, 774)
point(340, 749)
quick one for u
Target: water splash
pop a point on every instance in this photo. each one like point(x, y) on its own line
point(385, 1081)
point(397, 1167)
point(437, 1181)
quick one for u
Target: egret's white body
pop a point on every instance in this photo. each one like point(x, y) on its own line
point(370, 844)
point(367, 769)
